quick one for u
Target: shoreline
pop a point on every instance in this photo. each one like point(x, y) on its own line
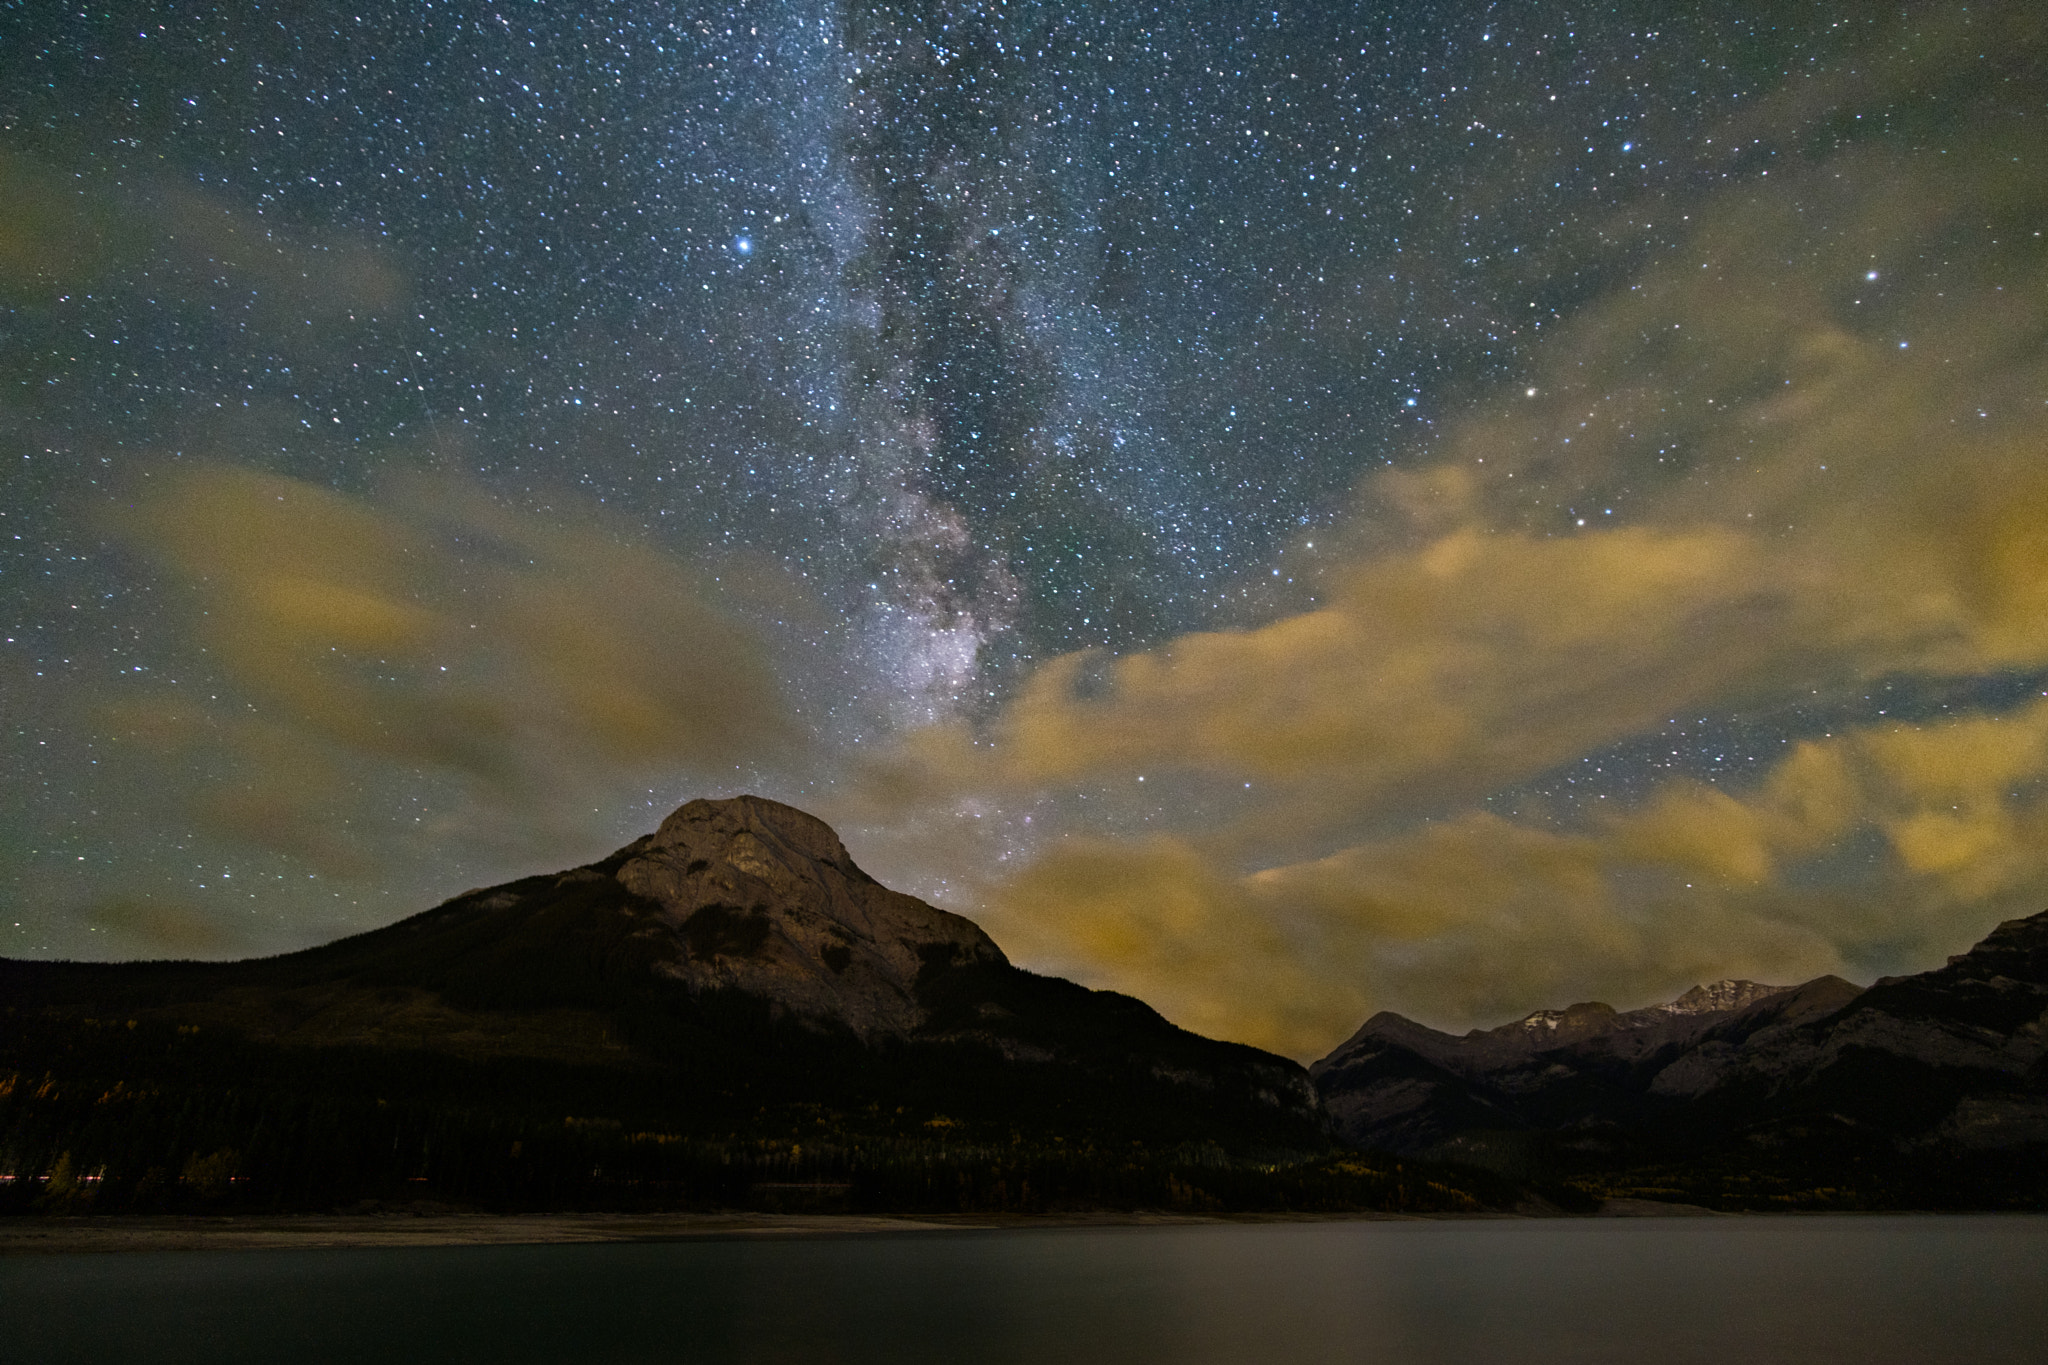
point(33, 1235)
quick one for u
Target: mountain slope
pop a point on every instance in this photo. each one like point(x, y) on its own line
point(1952, 1058)
point(731, 978)
point(1399, 1086)
point(1925, 1089)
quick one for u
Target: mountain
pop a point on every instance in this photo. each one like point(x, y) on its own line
point(726, 1005)
point(1925, 1090)
point(1399, 1086)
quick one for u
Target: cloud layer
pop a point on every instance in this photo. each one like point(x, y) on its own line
point(1886, 845)
point(344, 646)
point(1807, 451)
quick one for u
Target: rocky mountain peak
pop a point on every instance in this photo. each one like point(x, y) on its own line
point(765, 900)
point(1573, 1021)
point(1718, 997)
point(1549, 1028)
point(2015, 948)
point(749, 827)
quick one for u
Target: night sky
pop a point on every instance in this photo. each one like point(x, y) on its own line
point(1285, 512)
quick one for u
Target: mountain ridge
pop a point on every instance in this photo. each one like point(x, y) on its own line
point(728, 994)
point(1928, 1087)
point(728, 1009)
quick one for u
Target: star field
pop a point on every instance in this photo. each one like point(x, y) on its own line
point(934, 350)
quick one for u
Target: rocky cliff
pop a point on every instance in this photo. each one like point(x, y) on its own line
point(762, 899)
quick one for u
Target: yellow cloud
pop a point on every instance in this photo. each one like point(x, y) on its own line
point(158, 929)
point(431, 630)
point(1156, 920)
point(1476, 659)
point(1478, 918)
point(1826, 466)
point(68, 226)
point(1706, 830)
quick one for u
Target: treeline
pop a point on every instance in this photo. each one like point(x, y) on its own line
point(191, 1149)
point(108, 1116)
point(1823, 1164)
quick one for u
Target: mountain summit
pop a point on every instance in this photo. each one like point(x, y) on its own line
point(763, 900)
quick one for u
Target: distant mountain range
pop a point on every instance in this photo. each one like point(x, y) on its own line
point(1927, 1090)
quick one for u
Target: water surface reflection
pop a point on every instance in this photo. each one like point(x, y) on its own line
point(1863, 1289)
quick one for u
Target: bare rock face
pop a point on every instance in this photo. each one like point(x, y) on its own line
point(1984, 1015)
point(1719, 997)
point(1399, 1085)
point(1625, 1031)
point(1924, 1083)
point(1716, 1053)
point(763, 899)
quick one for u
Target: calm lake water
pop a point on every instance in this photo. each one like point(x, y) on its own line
point(1905, 1289)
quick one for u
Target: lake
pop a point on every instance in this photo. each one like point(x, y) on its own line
point(1809, 1289)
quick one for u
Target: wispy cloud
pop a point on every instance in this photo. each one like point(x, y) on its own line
point(520, 661)
point(1804, 451)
